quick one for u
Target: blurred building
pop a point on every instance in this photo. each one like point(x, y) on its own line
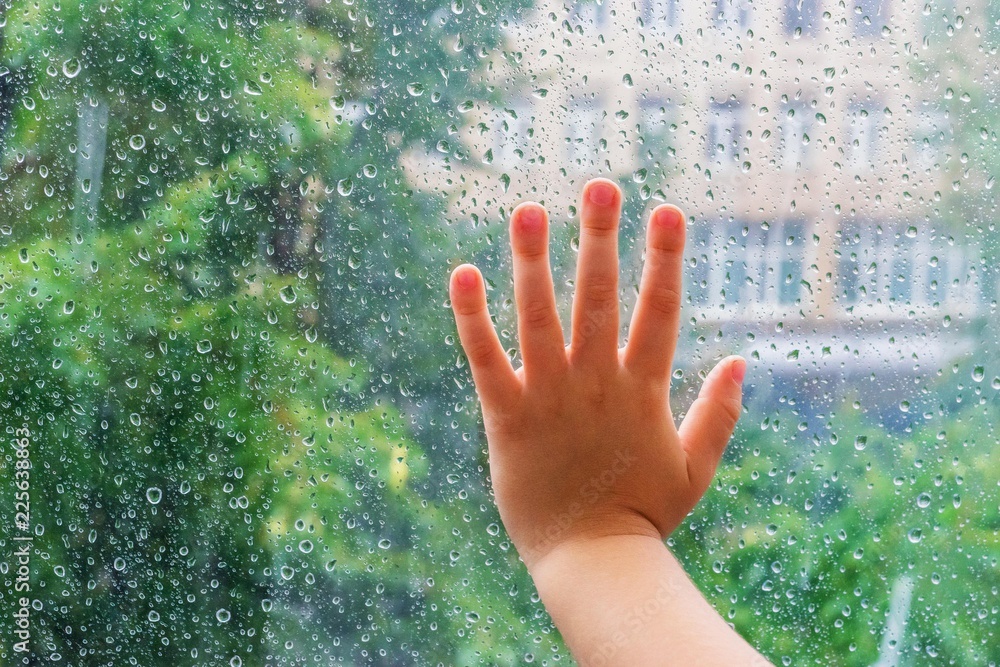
point(806, 140)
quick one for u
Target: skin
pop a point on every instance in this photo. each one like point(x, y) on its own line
point(589, 471)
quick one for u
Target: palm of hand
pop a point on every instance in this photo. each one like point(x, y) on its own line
point(582, 442)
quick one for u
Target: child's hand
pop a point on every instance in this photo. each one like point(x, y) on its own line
point(582, 442)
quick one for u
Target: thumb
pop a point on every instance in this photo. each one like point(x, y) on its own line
point(709, 423)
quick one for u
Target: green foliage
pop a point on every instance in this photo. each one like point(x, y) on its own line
point(207, 229)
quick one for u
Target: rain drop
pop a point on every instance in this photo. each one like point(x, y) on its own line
point(71, 68)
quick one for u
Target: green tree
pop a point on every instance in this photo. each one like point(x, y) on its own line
point(213, 269)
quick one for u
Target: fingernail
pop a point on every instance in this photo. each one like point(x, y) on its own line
point(739, 370)
point(531, 218)
point(669, 217)
point(466, 279)
point(601, 193)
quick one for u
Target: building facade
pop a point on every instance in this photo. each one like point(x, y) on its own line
point(807, 140)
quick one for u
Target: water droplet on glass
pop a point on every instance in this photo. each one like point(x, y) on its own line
point(137, 142)
point(415, 89)
point(978, 373)
point(345, 186)
point(154, 495)
point(204, 346)
point(860, 442)
point(252, 88)
point(71, 68)
point(223, 616)
point(287, 294)
point(69, 307)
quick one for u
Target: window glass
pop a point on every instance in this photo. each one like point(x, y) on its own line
point(227, 356)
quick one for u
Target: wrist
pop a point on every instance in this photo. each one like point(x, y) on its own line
point(584, 546)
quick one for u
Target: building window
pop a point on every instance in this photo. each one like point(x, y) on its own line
point(801, 17)
point(939, 19)
point(878, 264)
point(700, 262)
point(932, 134)
point(591, 12)
point(722, 136)
point(735, 287)
point(863, 136)
point(656, 127)
point(733, 16)
point(795, 127)
point(512, 133)
point(901, 280)
point(661, 14)
point(585, 118)
point(870, 16)
point(774, 253)
point(787, 253)
point(854, 250)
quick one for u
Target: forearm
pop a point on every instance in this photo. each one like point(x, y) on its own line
point(625, 600)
